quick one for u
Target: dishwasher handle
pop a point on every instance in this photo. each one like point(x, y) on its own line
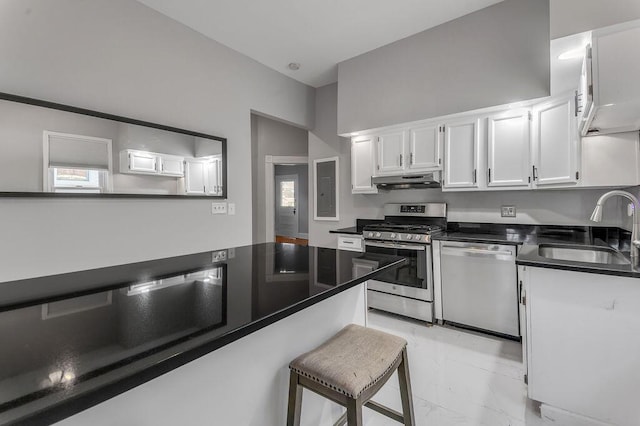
point(477, 252)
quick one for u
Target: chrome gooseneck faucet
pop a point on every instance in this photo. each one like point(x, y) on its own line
point(596, 216)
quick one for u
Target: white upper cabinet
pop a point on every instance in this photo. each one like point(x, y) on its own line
point(138, 162)
point(203, 176)
point(508, 149)
point(391, 153)
point(424, 148)
point(555, 142)
point(171, 165)
point(151, 163)
point(614, 67)
point(362, 165)
point(461, 152)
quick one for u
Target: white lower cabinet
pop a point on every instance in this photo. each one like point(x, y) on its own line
point(350, 242)
point(583, 351)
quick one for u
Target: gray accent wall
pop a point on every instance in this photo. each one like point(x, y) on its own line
point(494, 56)
point(120, 57)
point(575, 16)
point(552, 207)
point(270, 137)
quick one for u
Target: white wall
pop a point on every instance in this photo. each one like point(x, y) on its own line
point(494, 56)
point(575, 16)
point(120, 57)
point(551, 207)
point(270, 137)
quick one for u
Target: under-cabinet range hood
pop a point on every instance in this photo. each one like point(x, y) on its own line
point(422, 180)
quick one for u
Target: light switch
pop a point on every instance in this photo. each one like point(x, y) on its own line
point(231, 208)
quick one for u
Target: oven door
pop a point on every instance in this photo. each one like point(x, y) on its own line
point(413, 279)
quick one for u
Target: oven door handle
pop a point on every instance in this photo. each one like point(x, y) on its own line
point(415, 247)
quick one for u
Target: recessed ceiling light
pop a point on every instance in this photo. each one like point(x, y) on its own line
point(294, 66)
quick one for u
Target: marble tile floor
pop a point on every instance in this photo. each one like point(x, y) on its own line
point(458, 377)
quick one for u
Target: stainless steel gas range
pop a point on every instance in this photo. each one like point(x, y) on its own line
point(406, 231)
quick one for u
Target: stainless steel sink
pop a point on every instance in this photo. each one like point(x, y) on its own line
point(584, 254)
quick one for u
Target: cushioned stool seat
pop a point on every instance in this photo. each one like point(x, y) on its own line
point(349, 369)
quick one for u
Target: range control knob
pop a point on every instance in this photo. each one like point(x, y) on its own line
point(378, 234)
point(393, 235)
point(416, 237)
point(408, 236)
point(370, 234)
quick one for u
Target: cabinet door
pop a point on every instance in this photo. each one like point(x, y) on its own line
point(213, 177)
point(171, 165)
point(424, 148)
point(391, 153)
point(461, 145)
point(195, 177)
point(555, 143)
point(508, 149)
point(142, 162)
point(362, 161)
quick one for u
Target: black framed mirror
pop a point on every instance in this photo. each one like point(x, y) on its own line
point(55, 150)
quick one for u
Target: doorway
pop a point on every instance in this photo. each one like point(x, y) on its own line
point(291, 215)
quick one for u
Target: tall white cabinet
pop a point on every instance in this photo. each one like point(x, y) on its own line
point(461, 152)
point(363, 165)
point(555, 142)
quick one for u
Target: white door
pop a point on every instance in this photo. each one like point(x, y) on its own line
point(461, 145)
point(424, 148)
point(362, 161)
point(555, 142)
point(195, 177)
point(287, 206)
point(508, 149)
point(391, 155)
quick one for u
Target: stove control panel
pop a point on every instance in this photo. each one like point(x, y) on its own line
point(393, 236)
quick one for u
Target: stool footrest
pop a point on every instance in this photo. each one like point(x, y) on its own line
point(386, 411)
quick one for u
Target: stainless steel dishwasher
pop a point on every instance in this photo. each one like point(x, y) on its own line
point(480, 286)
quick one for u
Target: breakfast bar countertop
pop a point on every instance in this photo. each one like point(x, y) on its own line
point(73, 340)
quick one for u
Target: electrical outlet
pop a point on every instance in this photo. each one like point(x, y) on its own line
point(219, 207)
point(232, 253)
point(219, 256)
point(231, 209)
point(508, 211)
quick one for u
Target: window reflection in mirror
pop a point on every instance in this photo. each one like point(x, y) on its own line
point(44, 149)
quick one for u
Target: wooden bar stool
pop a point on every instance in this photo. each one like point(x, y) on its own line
point(349, 369)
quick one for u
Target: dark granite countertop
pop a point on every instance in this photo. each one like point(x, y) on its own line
point(356, 230)
point(529, 237)
point(73, 340)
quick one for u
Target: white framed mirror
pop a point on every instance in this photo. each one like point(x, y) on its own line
point(325, 188)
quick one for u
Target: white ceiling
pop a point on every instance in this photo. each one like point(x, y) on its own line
point(316, 33)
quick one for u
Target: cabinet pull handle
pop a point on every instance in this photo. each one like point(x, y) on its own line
point(474, 175)
point(411, 158)
point(400, 160)
point(489, 175)
point(575, 100)
point(535, 173)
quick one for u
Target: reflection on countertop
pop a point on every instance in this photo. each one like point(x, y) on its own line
point(106, 330)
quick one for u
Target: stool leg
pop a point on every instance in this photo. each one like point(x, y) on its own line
point(354, 412)
point(295, 400)
point(405, 390)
